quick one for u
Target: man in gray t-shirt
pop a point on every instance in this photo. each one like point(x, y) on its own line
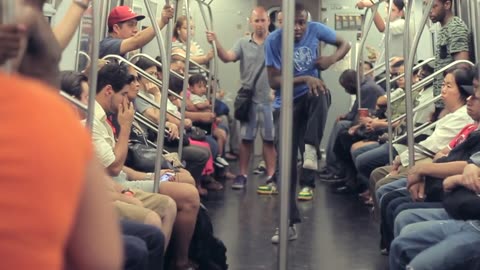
point(123, 35)
point(250, 52)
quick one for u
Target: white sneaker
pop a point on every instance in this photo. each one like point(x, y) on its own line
point(222, 161)
point(292, 235)
point(310, 159)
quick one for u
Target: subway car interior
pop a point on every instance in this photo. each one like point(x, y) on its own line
point(255, 134)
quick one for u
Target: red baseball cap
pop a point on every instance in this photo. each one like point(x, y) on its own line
point(122, 14)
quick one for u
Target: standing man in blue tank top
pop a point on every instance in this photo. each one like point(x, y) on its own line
point(309, 108)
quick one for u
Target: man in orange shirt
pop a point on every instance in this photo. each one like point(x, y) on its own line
point(56, 174)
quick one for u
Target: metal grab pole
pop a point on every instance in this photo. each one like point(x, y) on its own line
point(185, 79)
point(415, 68)
point(408, 78)
point(213, 86)
point(8, 17)
point(163, 101)
point(156, 62)
point(286, 116)
point(377, 67)
point(474, 11)
point(387, 85)
point(432, 76)
point(94, 52)
point(206, 70)
point(361, 49)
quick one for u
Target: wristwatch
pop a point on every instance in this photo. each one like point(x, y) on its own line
point(81, 3)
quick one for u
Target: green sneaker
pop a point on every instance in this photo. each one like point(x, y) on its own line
point(305, 194)
point(268, 189)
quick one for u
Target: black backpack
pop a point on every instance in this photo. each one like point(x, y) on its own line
point(205, 249)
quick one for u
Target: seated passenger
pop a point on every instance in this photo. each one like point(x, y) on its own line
point(432, 239)
point(370, 92)
point(112, 97)
point(144, 207)
point(457, 88)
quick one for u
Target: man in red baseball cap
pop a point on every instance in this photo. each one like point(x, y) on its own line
point(123, 35)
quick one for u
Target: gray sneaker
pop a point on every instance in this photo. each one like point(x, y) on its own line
point(292, 235)
point(310, 158)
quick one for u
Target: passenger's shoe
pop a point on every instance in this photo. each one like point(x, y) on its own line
point(268, 189)
point(221, 160)
point(261, 169)
point(239, 182)
point(344, 190)
point(305, 194)
point(292, 235)
point(310, 158)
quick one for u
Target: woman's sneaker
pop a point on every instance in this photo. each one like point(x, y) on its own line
point(270, 188)
point(292, 235)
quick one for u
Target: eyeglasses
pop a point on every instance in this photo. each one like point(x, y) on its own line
point(132, 78)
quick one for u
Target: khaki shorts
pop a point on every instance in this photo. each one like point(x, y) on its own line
point(152, 202)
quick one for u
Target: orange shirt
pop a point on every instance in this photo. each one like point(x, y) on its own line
point(43, 155)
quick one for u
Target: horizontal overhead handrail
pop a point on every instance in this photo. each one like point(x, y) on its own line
point(155, 105)
point(193, 62)
point(419, 85)
point(138, 55)
point(415, 68)
point(418, 131)
point(419, 107)
point(377, 67)
point(89, 60)
point(147, 76)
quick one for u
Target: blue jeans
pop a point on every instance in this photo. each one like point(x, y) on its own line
point(362, 150)
point(395, 185)
point(370, 160)
point(436, 245)
point(411, 216)
point(153, 240)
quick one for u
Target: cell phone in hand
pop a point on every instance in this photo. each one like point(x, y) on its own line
point(166, 176)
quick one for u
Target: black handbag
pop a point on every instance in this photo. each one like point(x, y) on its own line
point(462, 203)
point(142, 157)
point(243, 100)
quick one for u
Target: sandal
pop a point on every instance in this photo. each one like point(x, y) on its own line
point(202, 191)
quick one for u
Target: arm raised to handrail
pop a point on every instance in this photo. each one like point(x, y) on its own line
point(360, 60)
point(144, 74)
point(419, 85)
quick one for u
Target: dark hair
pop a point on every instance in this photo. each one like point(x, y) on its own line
point(428, 68)
point(475, 71)
point(400, 4)
point(175, 84)
point(144, 63)
point(196, 78)
point(398, 64)
point(113, 74)
point(299, 7)
point(348, 80)
point(463, 79)
point(369, 64)
point(71, 82)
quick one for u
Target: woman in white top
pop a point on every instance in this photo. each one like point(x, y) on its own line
point(397, 27)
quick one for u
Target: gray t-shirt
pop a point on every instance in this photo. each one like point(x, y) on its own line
point(110, 45)
point(452, 39)
point(141, 105)
point(252, 58)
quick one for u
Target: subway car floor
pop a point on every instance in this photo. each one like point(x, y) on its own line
point(337, 232)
